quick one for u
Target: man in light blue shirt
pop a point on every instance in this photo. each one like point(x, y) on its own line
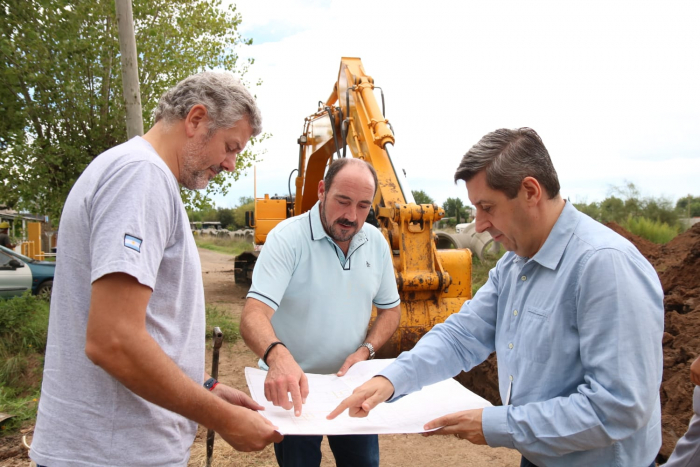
point(573, 311)
point(309, 306)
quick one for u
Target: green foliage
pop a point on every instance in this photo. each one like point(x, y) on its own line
point(61, 94)
point(22, 405)
point(239, 214)
point(226, 245)
point(688, 206)
point(454, 207)
point(422, 197)
point(655, 231)
point(480, 269)
point(228, 324)
point(630, 204)
point(232, 219)
point(225, 216)
point(24, 325)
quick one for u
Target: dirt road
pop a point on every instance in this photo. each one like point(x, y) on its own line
point(396, 450)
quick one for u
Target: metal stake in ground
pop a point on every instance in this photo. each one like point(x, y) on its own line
point(218, 337)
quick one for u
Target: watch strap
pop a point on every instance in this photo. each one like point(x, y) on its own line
point(369, 347)
point(210, 384)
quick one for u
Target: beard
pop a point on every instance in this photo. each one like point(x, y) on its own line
point(334, 230)
point(192, 175)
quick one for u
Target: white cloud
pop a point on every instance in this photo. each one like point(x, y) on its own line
point(610, 86)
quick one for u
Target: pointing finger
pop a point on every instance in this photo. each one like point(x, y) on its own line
point(346, 403)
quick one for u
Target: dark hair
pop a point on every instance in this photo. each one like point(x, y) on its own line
point(338, 164)
point(508, 156)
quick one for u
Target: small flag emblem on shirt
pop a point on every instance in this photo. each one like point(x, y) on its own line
point(133, 243)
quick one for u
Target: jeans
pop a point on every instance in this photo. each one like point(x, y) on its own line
point(349, 450)
point(526, 463)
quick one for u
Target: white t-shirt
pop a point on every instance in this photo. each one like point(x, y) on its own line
point(124, 214)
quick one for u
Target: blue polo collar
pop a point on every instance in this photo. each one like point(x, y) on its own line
point(553, 249)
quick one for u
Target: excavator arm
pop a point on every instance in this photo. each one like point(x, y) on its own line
point(432, 283)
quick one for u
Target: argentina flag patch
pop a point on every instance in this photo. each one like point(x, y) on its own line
point(132, 242)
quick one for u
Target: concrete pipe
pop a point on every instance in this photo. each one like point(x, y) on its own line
point(478, 243)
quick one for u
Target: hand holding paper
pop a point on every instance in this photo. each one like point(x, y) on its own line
point(331, 395)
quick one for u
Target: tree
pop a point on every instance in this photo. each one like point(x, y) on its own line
point(422, 197)
point(225, 216)
point(454, 207)
point(60, 84)
point(688, 206)
point(239, 214)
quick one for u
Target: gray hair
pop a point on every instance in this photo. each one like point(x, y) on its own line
point(226, 99)
point(508, 156)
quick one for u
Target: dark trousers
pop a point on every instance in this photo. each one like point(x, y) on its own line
point(349, 451)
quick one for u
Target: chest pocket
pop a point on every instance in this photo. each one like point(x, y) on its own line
point(535, 341)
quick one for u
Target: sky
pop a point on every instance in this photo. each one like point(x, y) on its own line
point(612, 87)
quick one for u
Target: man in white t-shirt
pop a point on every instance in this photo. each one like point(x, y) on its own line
point(124, 370)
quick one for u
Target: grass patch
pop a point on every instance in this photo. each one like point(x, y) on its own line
point(654, 231)
point(226, 245)
point(24, 323)
point(22, 406)
point(229, 325)
point(480, 269)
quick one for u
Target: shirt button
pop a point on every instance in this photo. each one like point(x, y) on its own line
point(515, 312)
point(510, 346)
point(523, 278)
point(511, 377)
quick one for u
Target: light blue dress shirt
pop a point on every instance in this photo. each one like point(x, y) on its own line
point(322, 298)
point(577, 330)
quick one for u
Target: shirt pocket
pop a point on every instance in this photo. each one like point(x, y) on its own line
point(534, 335)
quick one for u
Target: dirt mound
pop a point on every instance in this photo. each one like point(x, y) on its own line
point(678, 266)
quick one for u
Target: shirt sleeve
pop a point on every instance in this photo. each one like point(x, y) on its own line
point(273, 269)
point(388, 294)
point(463, 341)
point(620, 323)
point(131, 220)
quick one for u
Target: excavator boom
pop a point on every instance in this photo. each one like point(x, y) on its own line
point(432, 283)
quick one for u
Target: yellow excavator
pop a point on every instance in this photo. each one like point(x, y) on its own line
point(432, 283)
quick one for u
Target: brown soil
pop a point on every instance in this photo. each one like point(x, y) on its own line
point(678, 265)
point(396, 450)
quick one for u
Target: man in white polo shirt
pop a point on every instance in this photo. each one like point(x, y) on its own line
point(309, 306)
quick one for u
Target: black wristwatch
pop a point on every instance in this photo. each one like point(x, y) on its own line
point(370, 347)
point(210, 384)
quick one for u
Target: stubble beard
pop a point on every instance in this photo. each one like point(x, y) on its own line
point(332, 231)
point(192, 176)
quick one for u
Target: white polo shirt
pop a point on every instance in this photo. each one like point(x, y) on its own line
point(322, 299)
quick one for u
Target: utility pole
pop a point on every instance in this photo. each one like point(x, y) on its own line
point(130, 69)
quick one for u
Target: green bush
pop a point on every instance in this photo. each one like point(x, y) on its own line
point(24, 323)
point(655, 231)
point(481, 269)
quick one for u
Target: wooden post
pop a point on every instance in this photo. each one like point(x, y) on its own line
point(130, 69)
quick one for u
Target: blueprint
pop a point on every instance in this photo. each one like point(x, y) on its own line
point(407, 415)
